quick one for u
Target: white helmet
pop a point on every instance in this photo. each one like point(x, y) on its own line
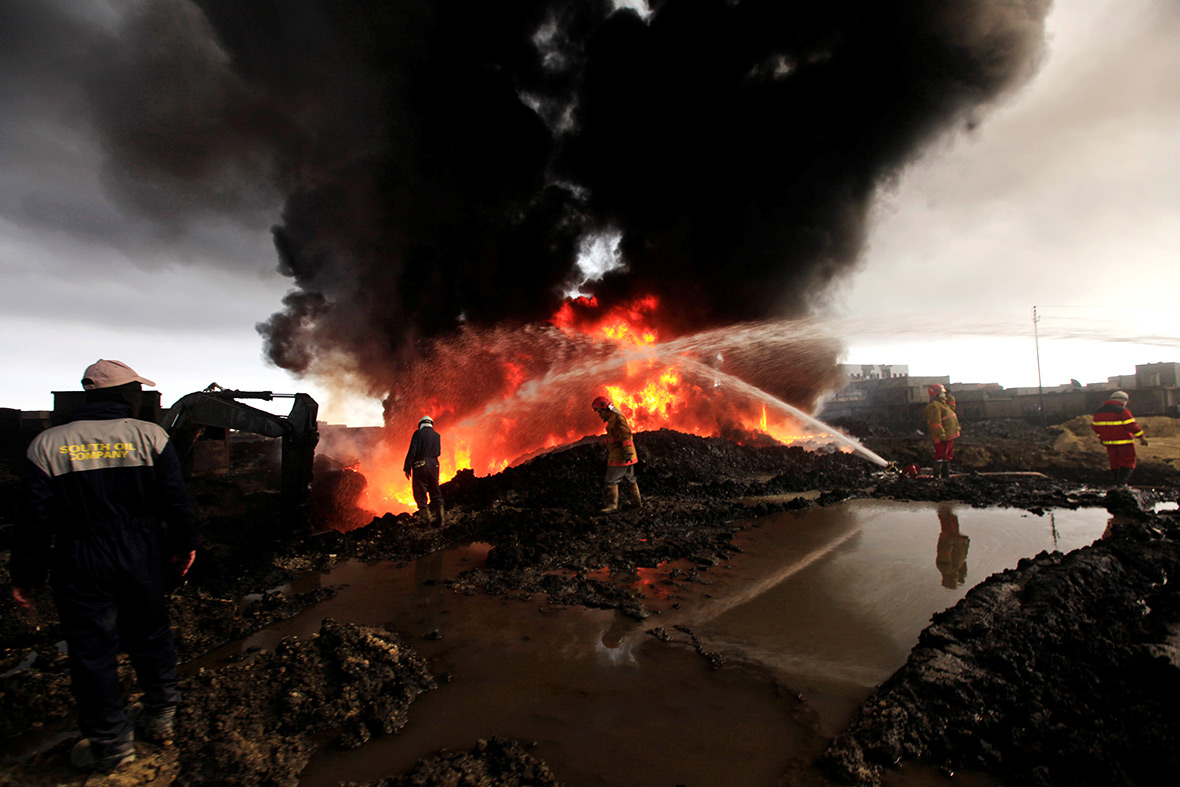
point(425, 420)
point(1120, 396)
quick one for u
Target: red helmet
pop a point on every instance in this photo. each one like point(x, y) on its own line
point(936, 389)
point(601, 403)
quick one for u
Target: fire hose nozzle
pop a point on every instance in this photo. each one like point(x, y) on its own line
point(908, 471)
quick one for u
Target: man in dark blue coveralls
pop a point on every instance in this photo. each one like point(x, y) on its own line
point(106, 517)
point(422, 463)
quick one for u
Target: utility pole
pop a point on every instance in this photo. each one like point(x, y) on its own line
point(1040, 388)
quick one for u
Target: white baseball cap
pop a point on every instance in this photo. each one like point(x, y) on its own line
point(108, 374)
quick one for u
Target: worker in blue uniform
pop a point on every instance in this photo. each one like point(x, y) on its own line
point(106, 519)
point(422, 467)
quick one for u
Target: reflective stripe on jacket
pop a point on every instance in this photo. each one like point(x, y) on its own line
point(941, 418)
point(105, 491)
point(620, 446)
point(1114, 424)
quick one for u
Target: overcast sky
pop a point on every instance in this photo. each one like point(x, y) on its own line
point(1065, 197)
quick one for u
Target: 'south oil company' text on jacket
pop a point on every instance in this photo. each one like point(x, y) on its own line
point(106, 492)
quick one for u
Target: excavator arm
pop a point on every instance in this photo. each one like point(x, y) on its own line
point(216, 407)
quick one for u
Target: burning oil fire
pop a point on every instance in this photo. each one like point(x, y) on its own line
point(500, 397)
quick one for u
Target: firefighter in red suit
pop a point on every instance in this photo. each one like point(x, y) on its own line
point(621, 456)
point(1116, 428)
point(944, 427)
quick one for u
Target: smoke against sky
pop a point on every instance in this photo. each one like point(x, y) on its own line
point(446, 164)
point(735, 147)
point(1065, 198)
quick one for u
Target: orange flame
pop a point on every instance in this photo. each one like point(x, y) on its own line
point(652, 393)
point(625, 325)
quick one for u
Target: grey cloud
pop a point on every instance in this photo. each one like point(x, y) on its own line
point(123, 127)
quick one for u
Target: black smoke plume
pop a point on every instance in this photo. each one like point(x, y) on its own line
point(441, 162)
point(736, 146)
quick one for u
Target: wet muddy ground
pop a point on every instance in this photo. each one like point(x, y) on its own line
point(1081, 633)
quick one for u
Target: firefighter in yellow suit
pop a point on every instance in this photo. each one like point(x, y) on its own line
point(944, 428)
point(621, 457)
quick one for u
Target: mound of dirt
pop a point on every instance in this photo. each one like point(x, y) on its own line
point(1061, 671)
point(496, 761)
point(1056, 627)
point(1067, 452)
point(256, 722)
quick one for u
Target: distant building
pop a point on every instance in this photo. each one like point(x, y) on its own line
point(874, 371)
point(1157, 375)
point(888, 395)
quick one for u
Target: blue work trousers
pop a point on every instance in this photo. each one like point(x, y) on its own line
point(425, 484)
point(102, 614)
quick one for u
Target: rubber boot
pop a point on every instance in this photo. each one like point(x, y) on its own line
point(1125, 475)
point(938, 465)
point(634, 499)
point(612, 500)
point(86, 756)
point(946, 469)
point(424, 516)
point(439, 514)
point(1115, 475)
point(157, 727)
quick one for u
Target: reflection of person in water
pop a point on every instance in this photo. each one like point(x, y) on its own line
point(429, 602)
point(617, 647)
point(614, 635)
point(951, 557)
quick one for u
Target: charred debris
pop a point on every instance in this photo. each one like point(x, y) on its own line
point(1085, 634)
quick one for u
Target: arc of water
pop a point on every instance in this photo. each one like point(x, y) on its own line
point(757, 394)
point(676, 353)
point(536, 391)
point(704, 342)
point(783, 332)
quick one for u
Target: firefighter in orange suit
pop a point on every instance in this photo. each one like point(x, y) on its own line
point(951, 554)
point(944, 428)
point(621, 457)
point(1116, 428)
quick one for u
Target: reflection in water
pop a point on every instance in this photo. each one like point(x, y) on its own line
point(951, 555)
point(428, 596)
point(615, 645)
point(813, 611)
point(833, 598)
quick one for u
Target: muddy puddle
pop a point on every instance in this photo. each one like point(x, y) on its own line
point(831, 600)
point(819, 607)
